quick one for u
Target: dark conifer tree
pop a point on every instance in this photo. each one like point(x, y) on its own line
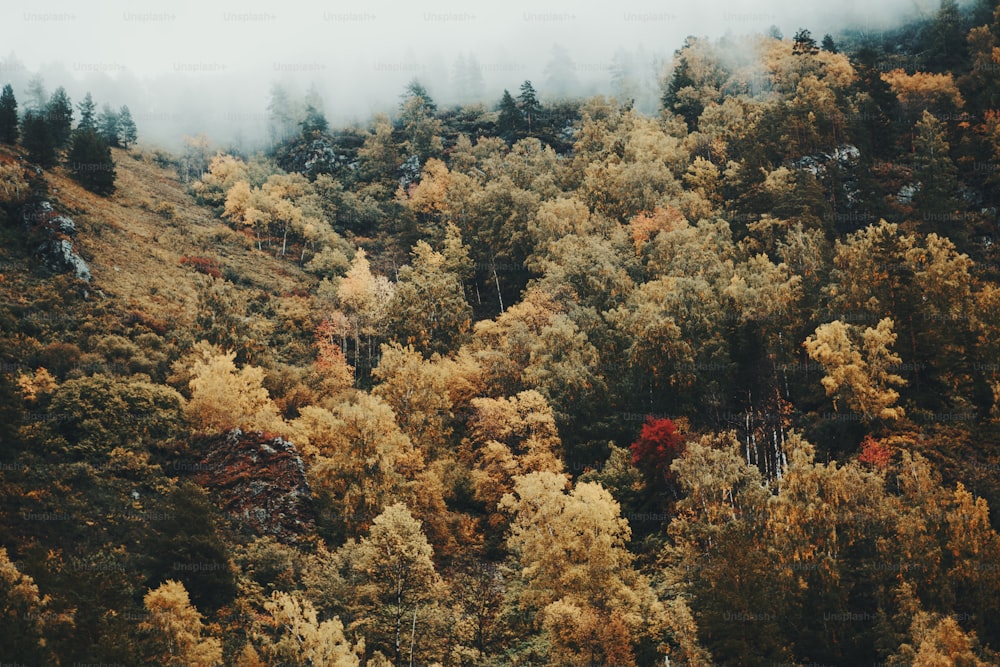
point(59, 114)
point(90, 162)
point(88, 111)
point(509, 120)
point(107, 124)
point(36, 133)
point(128, 131)
point(530, 107)
point(8, 116)
point(804, 44)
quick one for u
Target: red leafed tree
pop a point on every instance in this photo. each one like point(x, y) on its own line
point(659, 443)
point(875, 453)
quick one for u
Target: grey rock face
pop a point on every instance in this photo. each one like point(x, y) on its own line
point(56, 249)
point(59, 256)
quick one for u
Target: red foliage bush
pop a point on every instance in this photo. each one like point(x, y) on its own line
point(875, 453)
point(659, 443)
point(206, 265)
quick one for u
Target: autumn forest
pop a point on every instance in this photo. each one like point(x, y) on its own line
point(544, 380)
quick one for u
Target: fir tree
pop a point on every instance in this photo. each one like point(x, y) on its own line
point(690, 107)
point(59, 115)
point(90, 162)
point(107, 123)
point(933, 167)
point(36, 95)
point(37, 136)
point(509, 120)
point(87, 113)
point(804, 45)
point(126, 125)
point(528, 101)
point(8, 116)
point(314, 121)
point(945, 39)
point(417, 89)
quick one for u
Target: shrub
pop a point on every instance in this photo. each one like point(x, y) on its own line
point(206, 265)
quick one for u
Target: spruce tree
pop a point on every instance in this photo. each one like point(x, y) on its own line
point(126, 125)
point(37, 137)
point(107, 124)
point(688, 106)
point(417, 89)
point(530, 108)
point(8, 116)
point(59, 114)
point(804, 44)
point(509, 120)
point(87, 113)
point(90, 162)
point(314, 121)
point(934, 168)
point(36, 95)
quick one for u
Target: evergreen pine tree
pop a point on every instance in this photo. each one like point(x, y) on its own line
point(509, 120)
point(417, 89)
point(828, 44)
point(8, 116)
point(107, 124)
point(933, 168)
point(59, 114)
point(314, 121)
point(37, 137)
point(87, 113)
point(127, 128)
point(945, 39)
point(804, 44)
point(36, 96)
point(90, 162)
point(690, 107)
point(530, 108)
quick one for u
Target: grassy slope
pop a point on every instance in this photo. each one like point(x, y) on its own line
point(134, 253)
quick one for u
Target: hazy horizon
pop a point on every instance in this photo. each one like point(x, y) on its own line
point(184, 68)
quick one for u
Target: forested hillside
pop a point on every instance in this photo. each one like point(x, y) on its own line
point(547, 381)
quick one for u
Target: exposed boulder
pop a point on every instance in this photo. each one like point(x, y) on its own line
point(260, 483)
point(844, 155)
point(58, 256)
point(312, 156)
point(64, 225)
point(55, 247)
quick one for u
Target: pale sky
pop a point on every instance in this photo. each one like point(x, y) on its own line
point(212, 63)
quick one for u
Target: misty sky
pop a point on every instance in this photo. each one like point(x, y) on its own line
point(189, 65)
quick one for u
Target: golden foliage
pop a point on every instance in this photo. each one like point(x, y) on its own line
point(224, 397)
point(859, 367)
point(923, 91)
point(176, 627)
point(301, 639)
point(38, 385)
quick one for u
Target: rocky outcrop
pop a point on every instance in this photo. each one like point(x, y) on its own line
point(55, 247)
point(260, 483)
point(313, 156)
point(59, 256)
point(844, 156)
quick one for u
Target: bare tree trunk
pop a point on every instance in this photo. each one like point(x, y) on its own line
point(496, 279)
point(399, 619)
point(413, 635)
